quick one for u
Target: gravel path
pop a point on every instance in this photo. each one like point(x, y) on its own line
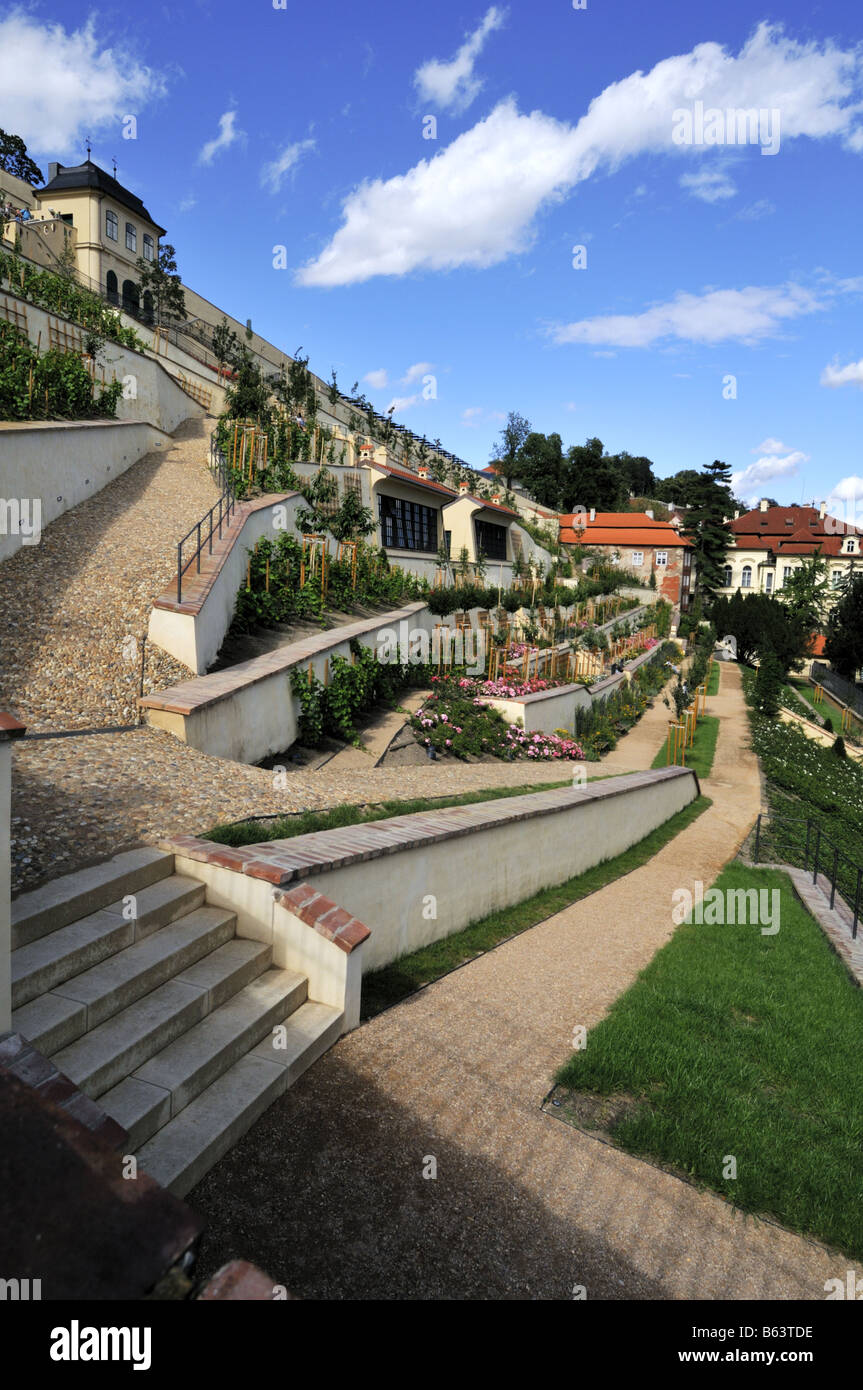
point(70, 605)
point(327, 1192)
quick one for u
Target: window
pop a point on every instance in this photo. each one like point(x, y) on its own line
point(786, 575)
point(746, 577)
point(130, 297)
point(111, 225)
point(726, 577)
point(768, 582)
point(111, 287)
point(407, 525)
point(638, 557)
point(835, 579)
point(149, 247)
point(850, 546)
point(131, 237)
point(662, 557)
point(67, 218)
point(490, 540)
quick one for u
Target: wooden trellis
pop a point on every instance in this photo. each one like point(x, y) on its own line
point(14, 315)
point(249, 448)
point(64, 336)
point(314, 561)
point(196, 391)
point(348, 550)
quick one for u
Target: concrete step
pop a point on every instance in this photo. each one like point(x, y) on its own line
point(117, 982)
point(168, 1082)
point(180, 1153)
point(52, 959)
point(104, 1057)
point(77, 895)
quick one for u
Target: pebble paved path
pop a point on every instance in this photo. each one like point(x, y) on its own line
point(69, 605)
point(326, 1191)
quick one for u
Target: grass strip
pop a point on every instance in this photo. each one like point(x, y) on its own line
point(713, 679)
point(733, 1043)
point(256, 832)
point(394, 982)
point(700, 756)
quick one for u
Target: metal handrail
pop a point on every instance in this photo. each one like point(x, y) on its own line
point(226, 504)
point(820, 849)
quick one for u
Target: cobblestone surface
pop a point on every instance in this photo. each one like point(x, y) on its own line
point(77, 800)
point(69, 605)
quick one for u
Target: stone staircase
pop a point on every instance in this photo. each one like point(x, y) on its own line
point(145, 997)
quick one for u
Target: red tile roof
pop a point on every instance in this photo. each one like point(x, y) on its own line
point(816, 646)
point(621, 529)
point(412, 478)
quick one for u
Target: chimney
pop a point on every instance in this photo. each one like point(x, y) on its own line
point(763, 504)
point(422, 471)
point(822, 511)
point(464, 489)
point(649, 513)
point(593, 513)
point(736, 514)
point(53, 171)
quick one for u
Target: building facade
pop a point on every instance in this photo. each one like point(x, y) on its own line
point(637, 542)
point(769, 543)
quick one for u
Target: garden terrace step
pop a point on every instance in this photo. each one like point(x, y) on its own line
point(80, 894)
point(164, 1085)
point(180, 1153)
point(131, 973)
point(106, 1055)
point(50, 960)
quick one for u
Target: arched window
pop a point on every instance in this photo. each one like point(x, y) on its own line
point(746, 577)
point(147, 306)
point(111, 287)
point(130, 297)
point(726, 577)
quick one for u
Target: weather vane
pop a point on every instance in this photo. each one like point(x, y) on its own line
point(89, 147)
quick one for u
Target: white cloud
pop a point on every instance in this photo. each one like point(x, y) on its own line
point(710, 185)
point(273, 174)
point(400, 403)
point(452, 85)
point(187, 204)
point(771, 446)
point(718, 316)
point(471, 416)
point(834, 375)
point(57, 86)
point(228, 135)
point(377, 379)
point(475, 203)
point(419, 369)
point(755, 211)
point(765, 470)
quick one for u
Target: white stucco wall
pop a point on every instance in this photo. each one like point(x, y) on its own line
point(195, 638)
point(64, 464)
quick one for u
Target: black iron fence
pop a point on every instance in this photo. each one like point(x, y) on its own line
point(845, 691)
point(211, 523)
point(806, 845)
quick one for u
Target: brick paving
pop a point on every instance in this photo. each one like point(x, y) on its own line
point(326, 1192)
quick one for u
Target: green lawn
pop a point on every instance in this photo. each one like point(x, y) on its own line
point(734, 1043)
point(387, 986)
point(713, 679)
point(700, 756)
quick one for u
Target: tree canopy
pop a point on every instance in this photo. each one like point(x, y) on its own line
point(15, 160)
point(844, 645)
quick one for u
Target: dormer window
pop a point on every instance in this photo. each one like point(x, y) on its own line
point(851, 545)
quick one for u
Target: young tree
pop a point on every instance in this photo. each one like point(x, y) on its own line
point(512, 439)
point(160, 279)
point(844, 645)
point(15, 160)
point(768, 684)
point(225, 344)
point(805, 593)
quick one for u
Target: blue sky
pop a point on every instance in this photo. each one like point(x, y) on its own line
point(260, 127)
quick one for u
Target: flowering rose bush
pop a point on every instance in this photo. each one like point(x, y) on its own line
point(455, 719)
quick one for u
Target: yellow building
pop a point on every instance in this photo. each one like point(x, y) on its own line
point(112, 229)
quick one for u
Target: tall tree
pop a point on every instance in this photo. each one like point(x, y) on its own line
point(682, 488)
point(591, 479)
point(541, 467)
point(806, 591)
point(844, 645)
point(707, 529)
point(15, 160)
point(512, 439)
